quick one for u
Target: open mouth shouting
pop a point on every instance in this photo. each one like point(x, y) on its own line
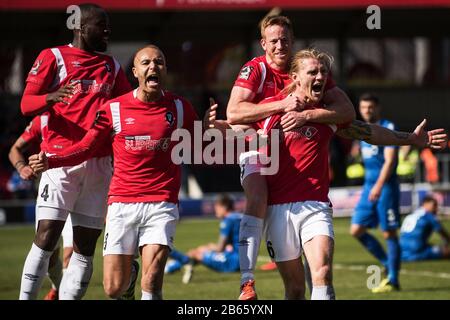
point(153, 81)
point(317, 90)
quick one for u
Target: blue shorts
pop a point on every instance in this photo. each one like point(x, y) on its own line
point(385, 211)
point(427, 253)
point(227, 261)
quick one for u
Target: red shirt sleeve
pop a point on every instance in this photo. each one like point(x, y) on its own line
point(38, 83)
point(121, 84)
point(249, 77)
point(96, 136)
point(32, 133)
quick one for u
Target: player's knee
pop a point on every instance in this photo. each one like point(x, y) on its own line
point(113, 288)
point(46, 239)
point(356, 231)
point(322, 275)
point(295, 291)
point(256, 200)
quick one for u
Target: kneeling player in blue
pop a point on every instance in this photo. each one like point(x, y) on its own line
point(416, 230)
point(379, 202)
point(222, 256)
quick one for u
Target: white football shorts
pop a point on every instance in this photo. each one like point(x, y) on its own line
point(81, 190)
point(289, 226)
point(132, 225)
point(249, 163)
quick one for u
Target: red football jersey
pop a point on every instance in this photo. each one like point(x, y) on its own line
point(303, 161)
point(257, 76)
point(142, 146)
point(96, 77)
point(35, 132)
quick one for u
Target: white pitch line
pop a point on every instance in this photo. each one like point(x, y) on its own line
point(338, 266)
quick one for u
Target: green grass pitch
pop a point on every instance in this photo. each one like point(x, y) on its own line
point(421, 280)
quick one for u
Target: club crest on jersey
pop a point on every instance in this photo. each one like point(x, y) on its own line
point(308, 132)
point(170, 118)
point(245, 72)
point(108, 67)
point(35, 68)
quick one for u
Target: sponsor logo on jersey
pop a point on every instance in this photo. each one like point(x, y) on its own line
point(76, 64)
point(91, 86)
point(129, 121)
point(246, 72)
point(139, 143)
point(35, 68)
point(170, 118)
point(369, 151)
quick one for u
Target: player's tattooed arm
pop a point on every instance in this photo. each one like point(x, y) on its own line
point(374, 134)
point(378, 135)
point(356, 130)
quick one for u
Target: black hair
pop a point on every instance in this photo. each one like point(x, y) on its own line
point(226, 201)
point(368, 96)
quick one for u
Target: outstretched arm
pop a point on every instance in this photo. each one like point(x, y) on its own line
point(378, 135)
point(78, 152)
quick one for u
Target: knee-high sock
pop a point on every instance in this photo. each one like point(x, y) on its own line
point(151, 295)
point(393, 259)
point(250, 233)
point(323, 293)
point(76, 279)
point(34, 271)
point(55, 274)
point(374, 247)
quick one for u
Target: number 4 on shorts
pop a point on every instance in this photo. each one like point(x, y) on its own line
point(44, 193)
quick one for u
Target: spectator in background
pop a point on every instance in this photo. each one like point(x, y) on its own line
point(407, 163)
point(417, 229)
point(431, 165)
